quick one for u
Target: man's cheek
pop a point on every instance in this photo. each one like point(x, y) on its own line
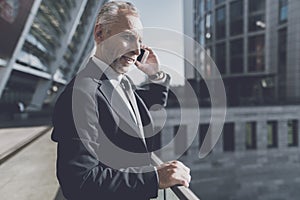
point(120, 49)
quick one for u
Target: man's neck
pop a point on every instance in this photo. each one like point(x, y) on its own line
point(107, 69)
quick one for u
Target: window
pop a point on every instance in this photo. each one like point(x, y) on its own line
point(208, 5)
point(219, 1)
point(228, 137)
point(256, 5)
point(256, 20)
point(204, 134)
point(256, 49)
point(272, 134)
point(292, 133)
point(220, 23)
point(208, 64)
point(199, 6)
point(236, 56)
point(282, 63)
point(180, 131)
point(20, 88)
point(221, 57)
point(208, 27)
point(283, 11)
point(201, 32)
point(236, 17)
point(251, 135)
point(203, 128)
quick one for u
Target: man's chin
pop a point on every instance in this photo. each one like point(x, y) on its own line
point(122, 69)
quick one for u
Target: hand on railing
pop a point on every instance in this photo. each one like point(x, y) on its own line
point(173, 173)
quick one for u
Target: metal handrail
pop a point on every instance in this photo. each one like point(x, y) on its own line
point(181, 192)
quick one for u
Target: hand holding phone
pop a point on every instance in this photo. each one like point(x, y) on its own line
point(147, 61)
point(142, 58)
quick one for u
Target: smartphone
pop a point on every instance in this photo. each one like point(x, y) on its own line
point(142, 58)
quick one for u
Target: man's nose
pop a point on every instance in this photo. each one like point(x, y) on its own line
point(136, 48)
point(137, 51)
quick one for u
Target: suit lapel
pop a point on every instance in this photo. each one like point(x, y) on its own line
point(145, 118)
point(117, 103)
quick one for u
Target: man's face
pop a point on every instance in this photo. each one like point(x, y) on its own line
point(120, 45)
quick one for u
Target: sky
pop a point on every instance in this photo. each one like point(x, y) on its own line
point(166, 14)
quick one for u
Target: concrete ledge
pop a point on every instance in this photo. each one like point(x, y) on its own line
point(15, 139)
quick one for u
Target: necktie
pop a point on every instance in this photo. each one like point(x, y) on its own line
point(126, 86)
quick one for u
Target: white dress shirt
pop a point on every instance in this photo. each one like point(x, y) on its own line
point(115, 79)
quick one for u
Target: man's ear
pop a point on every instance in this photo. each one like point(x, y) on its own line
point(98, 33)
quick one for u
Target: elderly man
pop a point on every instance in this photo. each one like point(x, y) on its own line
point(102, 122)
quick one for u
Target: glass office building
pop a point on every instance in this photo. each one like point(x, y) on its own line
point(254, 43)
point(54, 39)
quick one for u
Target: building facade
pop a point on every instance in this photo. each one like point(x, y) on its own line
point(253, 43)
point(54, 39)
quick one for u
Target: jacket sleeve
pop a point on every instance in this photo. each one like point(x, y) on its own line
point(82, 176)
point(80, 173)
point(155, 93)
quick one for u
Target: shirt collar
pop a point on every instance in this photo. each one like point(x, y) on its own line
point(107, 70)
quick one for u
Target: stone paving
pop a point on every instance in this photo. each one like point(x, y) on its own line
point(14, 138)
point(30, 174)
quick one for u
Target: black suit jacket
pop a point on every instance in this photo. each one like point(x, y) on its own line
point(100, 154)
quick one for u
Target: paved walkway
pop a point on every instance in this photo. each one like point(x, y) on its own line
point(30, 173)
point(13, 139)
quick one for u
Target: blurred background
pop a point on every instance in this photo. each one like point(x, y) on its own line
point(255, 45)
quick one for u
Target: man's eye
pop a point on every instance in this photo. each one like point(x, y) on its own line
point(129, 37)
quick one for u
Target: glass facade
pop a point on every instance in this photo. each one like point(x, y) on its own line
point(203, 128)
point(56, 35)
point(45, 33)
point(68, 58)
point(272, 134)
point(251, 135)
point(228, 137)
point(282, 64)
point(256, 5)
point(208, 27)
point(220, 23)
point(256, 53)
point(256, 12)
point(13, 18)
point(283, 11)
point(199, 22)
point(236, 17)
point(221, 57)
point(237, 56)
point(238, 32)
point(219, 1)
point(208, 67)
point(208, 5)
point(292, 133)
point(19, 88)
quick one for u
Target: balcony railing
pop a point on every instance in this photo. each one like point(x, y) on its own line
point(175, 192)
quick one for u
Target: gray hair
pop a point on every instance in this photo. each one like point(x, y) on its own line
point(110, 11)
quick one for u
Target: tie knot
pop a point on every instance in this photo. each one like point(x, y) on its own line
point(125, 84)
